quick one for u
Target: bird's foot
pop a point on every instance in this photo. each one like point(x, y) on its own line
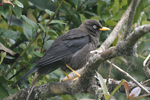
point(75, 78)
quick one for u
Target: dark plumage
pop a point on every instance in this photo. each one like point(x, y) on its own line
point(72, 48)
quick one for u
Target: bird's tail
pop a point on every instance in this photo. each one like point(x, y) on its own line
point(28, 73)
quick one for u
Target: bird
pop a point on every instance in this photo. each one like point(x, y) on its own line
point(70, 51)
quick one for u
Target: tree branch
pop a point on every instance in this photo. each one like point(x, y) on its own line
point(87, 72)
point(131, 16)
point(116, 29)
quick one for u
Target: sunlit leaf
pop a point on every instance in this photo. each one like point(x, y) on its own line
point(115, 7)
point(82, 17)
point(123, 3)
point(51, 13)
point(118, 15)
point(3, 54)
point(110, 23)
point(145, 22)
point(18, 3)
point(95, 18)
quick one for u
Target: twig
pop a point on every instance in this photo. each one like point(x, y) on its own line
point(23, 68)
point(130, 77)
point(146, 61)
point(146, 64)
point(30, 92)
point(16, 44)
point(16, 62)
point(109, 71)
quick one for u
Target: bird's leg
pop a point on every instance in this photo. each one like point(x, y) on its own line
point(78, 75)
point(68, 78)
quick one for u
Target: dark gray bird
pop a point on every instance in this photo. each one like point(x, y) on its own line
point(71, 50)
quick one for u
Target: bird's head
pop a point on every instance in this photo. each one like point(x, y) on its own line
point(93, 27)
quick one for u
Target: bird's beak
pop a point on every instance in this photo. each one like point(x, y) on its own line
point(104, 29)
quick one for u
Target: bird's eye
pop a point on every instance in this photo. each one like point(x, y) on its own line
point(94, 26)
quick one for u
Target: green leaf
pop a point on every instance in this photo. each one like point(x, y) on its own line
point(145, 22)
point(4, 80)
point(44, 4)
point(18, 3)
point(118, 15)
point(38, 54)
point(15, 35)
point(27, 30)
point(110, 23)
point(105, 15)
point(76, 18)
point(90, 13)
point(51, 13)
point(18, 11)
point(118, 86)
point(139, 10)
point(123, 3)
point(51, 32)
point(4, 10)
point(100, 4)
point(82, 17)
point(115, 41)
point(42, 27)
point(102, 83)
point(3, 54)
point(95, 18)
point(64, 8)
point(76, 3)
point(3, 92)
point(115, 7)
point(146, 11)
point(29, 21)
point(106, 1)
point(48, 43)
point(24, 62)
point(55, 22)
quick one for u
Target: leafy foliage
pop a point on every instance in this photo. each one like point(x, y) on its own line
point(42, 21)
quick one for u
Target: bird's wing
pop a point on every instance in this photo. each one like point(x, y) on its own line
point(64, 46)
